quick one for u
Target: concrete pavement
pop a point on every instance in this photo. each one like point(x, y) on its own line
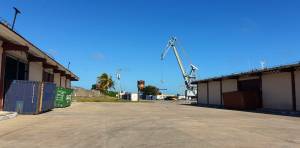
point(129, 125)
point(7, 115)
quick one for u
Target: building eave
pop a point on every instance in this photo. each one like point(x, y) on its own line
point(10, 35)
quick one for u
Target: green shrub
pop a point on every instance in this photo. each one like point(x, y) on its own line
point(111, 93)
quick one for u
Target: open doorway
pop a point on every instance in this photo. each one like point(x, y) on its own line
point(253, 85)
point(14, 70)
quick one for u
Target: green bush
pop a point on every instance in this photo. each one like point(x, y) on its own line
point(111, 93)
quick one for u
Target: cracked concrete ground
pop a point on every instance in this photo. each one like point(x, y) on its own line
point(160, 124)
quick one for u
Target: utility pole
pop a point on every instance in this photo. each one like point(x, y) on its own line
point(15, 17)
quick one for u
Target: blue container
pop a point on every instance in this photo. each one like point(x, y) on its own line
point(48, 100)
point(22, 97)
point(30, 97)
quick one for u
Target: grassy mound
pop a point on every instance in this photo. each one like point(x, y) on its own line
point(98, 99)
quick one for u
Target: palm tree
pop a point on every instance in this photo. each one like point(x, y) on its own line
point(104, 82)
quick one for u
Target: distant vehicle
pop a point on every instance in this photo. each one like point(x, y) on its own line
point(170, 98)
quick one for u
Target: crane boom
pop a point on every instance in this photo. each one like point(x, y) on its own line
point(187, 77)
point(171, 44)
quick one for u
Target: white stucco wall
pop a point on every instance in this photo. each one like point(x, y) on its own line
point(277, 91)
point(202, 93)
point(297, 86)
point(214, 93)
point(36, 71)
point(57, 79)
point(63, 81)
point(229, 85)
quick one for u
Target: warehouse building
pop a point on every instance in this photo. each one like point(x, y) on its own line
point(272, 88)
point(21, 60)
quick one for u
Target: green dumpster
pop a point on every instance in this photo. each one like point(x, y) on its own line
point(63, 97)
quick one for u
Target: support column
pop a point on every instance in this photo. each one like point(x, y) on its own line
point(63, 81)
point(221, 92)
point(207, 93)
point(198, 102)
point(66, 82)
point(293, 90)
point(2, 64)
point(260, 91)
point(60, 80)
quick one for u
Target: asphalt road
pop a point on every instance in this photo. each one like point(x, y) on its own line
point(138, 125)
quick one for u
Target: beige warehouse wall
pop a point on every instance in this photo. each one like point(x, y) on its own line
point(202, 93)
point(277, 91)
point(229, 85)
point(57, 79)
point(214, 93)
point(36, 71)
point(297, 85)
point(63, 81)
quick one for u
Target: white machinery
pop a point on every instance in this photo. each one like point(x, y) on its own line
point(191, 90)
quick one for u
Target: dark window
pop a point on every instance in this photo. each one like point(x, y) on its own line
point(48, 77)
point(22, 72)
point(249, 85)
point(14, 70)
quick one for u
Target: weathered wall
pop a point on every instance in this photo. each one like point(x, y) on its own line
point(277, 91)
point(68, 83)
point(57, 79)
point(248, 78)
point(20, 55)
point(229, 85)
point(202, 93)
point(214, 93)
point(63, 81)
point(36, 71)
point(297, 84)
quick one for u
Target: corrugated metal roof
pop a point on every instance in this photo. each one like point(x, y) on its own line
point(254, 72)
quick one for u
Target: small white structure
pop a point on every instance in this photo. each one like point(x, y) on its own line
point(134, 97)
point(158, 97)
point(130, 96)
point(181, 97)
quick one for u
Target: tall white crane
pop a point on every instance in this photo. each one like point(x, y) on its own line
point(188, 77)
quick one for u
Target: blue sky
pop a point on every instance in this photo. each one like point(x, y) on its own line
point(220, 37)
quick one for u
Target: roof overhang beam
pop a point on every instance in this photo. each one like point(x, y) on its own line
point(11, 46)
point(49, 66)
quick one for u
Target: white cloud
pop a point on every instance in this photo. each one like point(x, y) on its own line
point(98, 56)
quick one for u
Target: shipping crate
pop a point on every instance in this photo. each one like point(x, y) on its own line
point(29, 97)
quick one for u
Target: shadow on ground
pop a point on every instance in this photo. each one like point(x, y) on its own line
point(260, 111)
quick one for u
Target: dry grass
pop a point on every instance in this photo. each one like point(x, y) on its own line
point(105, 99)
point(98, 99)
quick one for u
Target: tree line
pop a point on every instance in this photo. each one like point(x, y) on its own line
point(106, 85)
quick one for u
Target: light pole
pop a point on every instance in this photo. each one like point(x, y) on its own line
point(15, 17)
